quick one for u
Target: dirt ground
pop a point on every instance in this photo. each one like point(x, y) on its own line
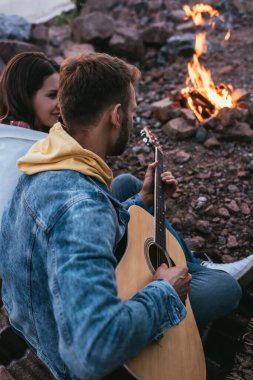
point(222, 176)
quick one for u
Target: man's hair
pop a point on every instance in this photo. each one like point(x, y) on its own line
point(92, 82)
point(22, 77)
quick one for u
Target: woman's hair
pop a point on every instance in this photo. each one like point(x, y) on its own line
point(22, 77)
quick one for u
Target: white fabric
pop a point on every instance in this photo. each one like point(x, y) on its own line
point(236, 269)
point(14, 143)
point(36, 11)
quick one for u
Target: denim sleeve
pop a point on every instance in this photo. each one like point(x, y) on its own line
point(97, 331)
point(134, 200)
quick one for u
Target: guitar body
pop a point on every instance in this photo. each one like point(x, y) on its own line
point(179, 354)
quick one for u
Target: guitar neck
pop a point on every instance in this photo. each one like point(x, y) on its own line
point(159, 207)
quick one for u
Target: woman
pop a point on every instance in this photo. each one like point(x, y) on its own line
point(28, 92)
point(28, 99)
point(28, 102)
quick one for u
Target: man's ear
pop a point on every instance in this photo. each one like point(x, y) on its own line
point(116, 116)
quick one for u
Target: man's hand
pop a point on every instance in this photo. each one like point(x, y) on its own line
point(178, 277)
point(147, 191)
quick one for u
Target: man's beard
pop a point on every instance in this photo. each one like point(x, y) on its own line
point(122, 140)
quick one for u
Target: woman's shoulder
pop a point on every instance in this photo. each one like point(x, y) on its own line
point(20, 133)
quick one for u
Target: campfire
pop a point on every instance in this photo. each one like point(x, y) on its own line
point(202, 108)
point(202, 96)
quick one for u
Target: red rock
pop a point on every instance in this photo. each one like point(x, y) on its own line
point(227, 259)
point(239, 132)
point(243, 174)
point(77, 49)
point(165, 109)
point(232, 242)
point(157, 33)
point(233, 206)
point(210, 210)
point(9, 48)
point(188, 115)
point(178, 129)
point(186, 27)
point(204, 226)
point(211, 142)
point(128, 42)
point(223, 212)
point(182, 157)
point(59, 35)
point(196, 243)
point(177, 15)
point(40, 34)
point(95, 25)
point(226, 70)
point(245, 209)
point(102, 5)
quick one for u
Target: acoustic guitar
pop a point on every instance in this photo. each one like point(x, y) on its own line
point(179, 354)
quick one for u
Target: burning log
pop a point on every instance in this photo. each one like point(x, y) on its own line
point(220, 111)
point(203, 97)
point(200, 100)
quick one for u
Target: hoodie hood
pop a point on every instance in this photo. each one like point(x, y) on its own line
point(59, 151)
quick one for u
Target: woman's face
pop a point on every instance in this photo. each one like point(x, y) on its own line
point(45, 104)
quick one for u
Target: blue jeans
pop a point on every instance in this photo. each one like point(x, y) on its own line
point(213, 293)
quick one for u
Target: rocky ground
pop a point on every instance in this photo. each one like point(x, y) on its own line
point(212, 207)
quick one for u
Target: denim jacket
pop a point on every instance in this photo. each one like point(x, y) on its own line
point(58, 238)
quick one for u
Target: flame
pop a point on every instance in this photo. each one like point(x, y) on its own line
point(203, 97)
point(228, 35)
point(200, 44)
point(196, 13)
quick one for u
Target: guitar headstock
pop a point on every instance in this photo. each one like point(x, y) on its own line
point(150, 138)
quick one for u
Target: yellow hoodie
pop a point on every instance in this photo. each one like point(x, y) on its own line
point(59, 151)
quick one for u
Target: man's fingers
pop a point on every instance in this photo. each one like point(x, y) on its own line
point(152, 166)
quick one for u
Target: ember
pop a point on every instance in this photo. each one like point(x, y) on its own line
point(201, 95)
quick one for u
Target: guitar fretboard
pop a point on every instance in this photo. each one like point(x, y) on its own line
point(160, 232)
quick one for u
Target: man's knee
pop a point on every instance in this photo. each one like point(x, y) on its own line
point(213, 295)
point(125, 186)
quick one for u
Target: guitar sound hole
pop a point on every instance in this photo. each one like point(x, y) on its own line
point(157, 256)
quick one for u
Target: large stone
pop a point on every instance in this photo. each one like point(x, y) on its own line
point(14, 27)
point(211, 142)
point(98, 5)
point(177, 15)
point(188, 115)
point(228, 116)
point(127, 42)
point(75, 50)
point(239, 132)
point(232, 242)
point(178, 129)
point(183, 44)
point(10, 48)
point(59, 34)
point(40, 34)
point(165, 109)
point(140, 6)
point(243, 6)
point(94, 26)
point(157, 33)
point(155, 5)
point(185, 27)
point(204, 227)
point(196, 243)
